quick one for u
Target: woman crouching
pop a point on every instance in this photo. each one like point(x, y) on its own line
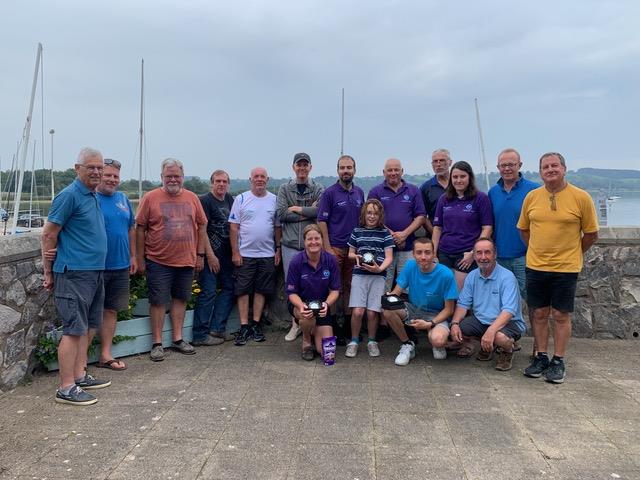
point(313, 286)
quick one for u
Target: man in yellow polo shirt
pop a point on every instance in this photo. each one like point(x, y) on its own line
point(558, 223)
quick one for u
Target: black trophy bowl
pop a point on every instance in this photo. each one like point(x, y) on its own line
point(315, 306)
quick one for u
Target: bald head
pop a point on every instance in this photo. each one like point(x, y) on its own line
point(393, 172)
point(259, 179)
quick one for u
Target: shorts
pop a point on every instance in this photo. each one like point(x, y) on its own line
point(255, 275)
point(79, 298)
point(116, 289)
point(451, 260)
point(320, 321)
point(472, 327)
point(554, 289)
point(414, 313)
point(165, 282)
point(517, 267)
point(366, 292)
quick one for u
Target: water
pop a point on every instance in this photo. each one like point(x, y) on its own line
point(624, 211)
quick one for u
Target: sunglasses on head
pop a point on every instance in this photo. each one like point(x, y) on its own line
point(113, 163)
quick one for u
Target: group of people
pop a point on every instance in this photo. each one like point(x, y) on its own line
point(462, 260)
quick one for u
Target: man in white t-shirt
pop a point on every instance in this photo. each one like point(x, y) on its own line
point(255, 245)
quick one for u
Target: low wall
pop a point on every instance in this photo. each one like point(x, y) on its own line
point(607, 298)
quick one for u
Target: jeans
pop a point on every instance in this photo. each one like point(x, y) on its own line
point(517, 267)
point(212, 307)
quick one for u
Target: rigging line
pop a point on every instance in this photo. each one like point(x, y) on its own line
point(42, 108)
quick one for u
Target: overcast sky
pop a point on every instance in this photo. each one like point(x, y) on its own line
point(235, 85)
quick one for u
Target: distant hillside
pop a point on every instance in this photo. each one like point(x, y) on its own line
point(610, 173)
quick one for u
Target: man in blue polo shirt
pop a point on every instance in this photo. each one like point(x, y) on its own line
point(403, 214)
point(433, 188)
point(507, 196)
point(338, 215)
point(75, 227)
point(492, 292)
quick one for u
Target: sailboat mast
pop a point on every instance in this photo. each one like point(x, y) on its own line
point(140, 132)
point(53, 193)
point(342, 126)
point(482, 155)
point(33, 171)
point(25, 142)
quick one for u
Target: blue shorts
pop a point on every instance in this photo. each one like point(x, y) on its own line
point(472, 327)
point(79, 298)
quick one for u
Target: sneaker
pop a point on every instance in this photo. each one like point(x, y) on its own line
point(555, 374)
point(352, 350)
point(407, 352)
point(539, 365)
point(208, 341)
point(226, 337)
point(76, 396)
point(383, 333)
point(483, 356)
point(89, 382)
point(256, 333)
point(373, 348)
point(308, 353)
point(504, 361)
point(293, 333)
point(243, 336)
point(157, 354)
point(183, 347)
point(439, 353)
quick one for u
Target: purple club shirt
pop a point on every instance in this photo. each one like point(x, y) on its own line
point(400, 208)
point(340, 209)
point(461, 221)
point(313, 283)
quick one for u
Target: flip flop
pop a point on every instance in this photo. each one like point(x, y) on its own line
point(109, 364)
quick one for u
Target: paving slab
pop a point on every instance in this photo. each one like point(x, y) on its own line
point(259, 411)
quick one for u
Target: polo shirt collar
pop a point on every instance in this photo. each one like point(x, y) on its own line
point(493, 276)
point(515, 185)
point(82, 187)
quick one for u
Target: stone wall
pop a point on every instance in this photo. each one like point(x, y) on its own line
point(607, 303)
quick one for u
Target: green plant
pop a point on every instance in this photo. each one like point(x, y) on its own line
point(47, 346)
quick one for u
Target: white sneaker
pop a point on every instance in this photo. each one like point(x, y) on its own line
point(352, 350)
point(374, 349)
point(439, 353)
point(293, 333)
point(407, 352)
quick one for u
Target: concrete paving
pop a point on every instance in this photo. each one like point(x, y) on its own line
point(260, 412)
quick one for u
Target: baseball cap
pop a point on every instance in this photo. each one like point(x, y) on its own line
point(300, 157)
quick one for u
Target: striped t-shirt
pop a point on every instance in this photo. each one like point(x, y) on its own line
point(372, 240)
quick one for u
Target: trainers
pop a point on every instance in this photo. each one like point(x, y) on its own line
point(183, 347)
point(383, 333)
point(227, 337)
point(352, 350)
point(504, 361)
point(407, 352)
point(243, 336)
point(308, 353)
point(76, 396)
point(208, 341)
point(293, 333)
point(539, 365)
point(439, 353)
point(256, 333)
point(483, 356)
point(555, 374)
point(157, 354)
point(373, 348)
point(89, 382)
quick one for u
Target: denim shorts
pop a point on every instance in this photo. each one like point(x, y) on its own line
point(116, 289)
point(472, 327)
point(165, 282)
point(79, 298)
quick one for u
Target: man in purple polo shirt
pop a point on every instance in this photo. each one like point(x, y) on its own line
point(338, 215)
point(403, 214)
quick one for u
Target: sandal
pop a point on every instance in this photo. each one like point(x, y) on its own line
point(484, 356)
point(466, 350)
point(109, 364)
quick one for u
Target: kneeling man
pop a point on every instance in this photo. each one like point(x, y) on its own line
point(492, 292)
point(432, 297)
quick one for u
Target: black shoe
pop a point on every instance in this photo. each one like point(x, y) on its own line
point(383, 333)
point(555, 374)
point(89, 382)
point(243, 336)
point(256, 333)
point(341, 341)
point(539, 365)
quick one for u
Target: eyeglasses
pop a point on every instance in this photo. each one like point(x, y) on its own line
point(439, 160)
point(172, 177)
point(502, 166)
point(552, 199)
point(95, 169)
point(113, 163)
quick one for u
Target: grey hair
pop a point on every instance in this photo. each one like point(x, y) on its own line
point(87, 152)
point(509, 150)
point(442, 150)
point(553, 154)
point(219, 172)
point(171, 162)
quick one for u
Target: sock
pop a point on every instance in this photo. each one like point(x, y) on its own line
point(65, 391)
point(178, 342)
point(557, 359)
point(244, 327)
point(78, 380)
point(371, 340)
point(408, 342)
point(156, 345)
point(355, 339)
point(543, 354)
point(254, 322)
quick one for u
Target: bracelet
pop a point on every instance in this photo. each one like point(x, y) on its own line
point(455, 324)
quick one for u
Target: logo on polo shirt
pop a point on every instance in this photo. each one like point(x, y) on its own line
point(468, 207)
point(406, 197)
point(326, 273)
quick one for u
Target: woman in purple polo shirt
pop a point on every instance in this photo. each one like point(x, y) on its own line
point(313, 275)
point(463, 214)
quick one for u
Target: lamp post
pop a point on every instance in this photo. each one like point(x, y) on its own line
point(51, 132)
